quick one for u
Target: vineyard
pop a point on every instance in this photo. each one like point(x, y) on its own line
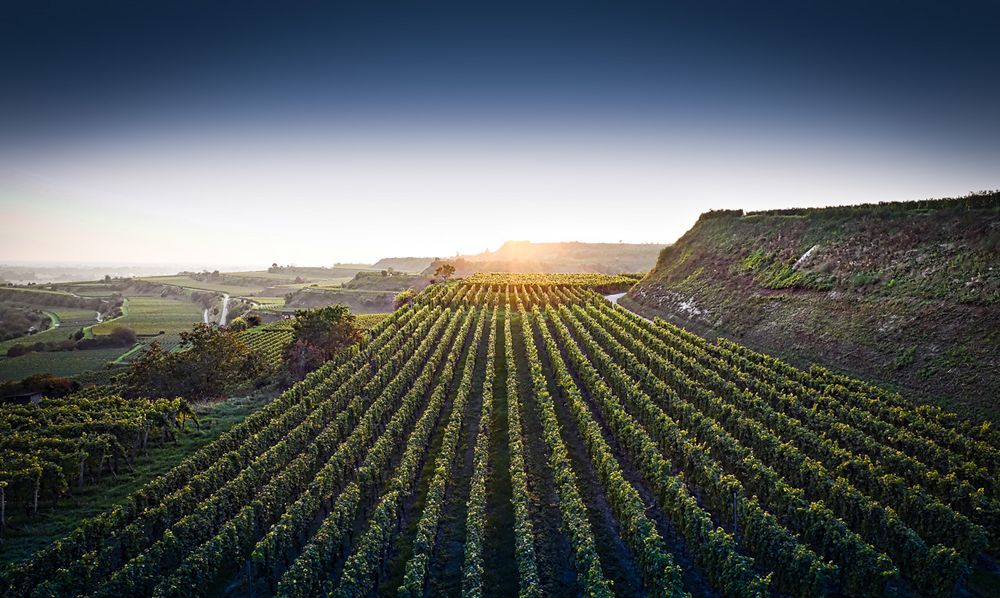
point(521, 435)
point(49, 449)
point(269, 340)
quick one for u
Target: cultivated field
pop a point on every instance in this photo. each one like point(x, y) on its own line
point(505, 439)
point(151, 315)
point(58, 363)
point(187, 282)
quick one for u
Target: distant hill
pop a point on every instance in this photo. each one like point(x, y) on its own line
point(903, 293)
point(525, 256)
point(403, 264)
point(375, 281)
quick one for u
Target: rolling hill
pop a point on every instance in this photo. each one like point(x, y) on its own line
point(906, 294)
point(525, 256)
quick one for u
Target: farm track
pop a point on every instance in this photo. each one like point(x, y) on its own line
point(496, 439)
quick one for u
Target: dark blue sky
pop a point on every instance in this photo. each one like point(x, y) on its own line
point(917, 70)
point(661, 109)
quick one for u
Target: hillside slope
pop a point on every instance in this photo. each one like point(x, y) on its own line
point(905, 294)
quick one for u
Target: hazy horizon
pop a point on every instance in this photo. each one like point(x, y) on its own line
point(340, 132)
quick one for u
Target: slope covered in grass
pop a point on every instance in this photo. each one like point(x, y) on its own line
point(906, 294)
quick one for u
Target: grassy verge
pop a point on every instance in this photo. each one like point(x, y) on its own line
point(25, 535)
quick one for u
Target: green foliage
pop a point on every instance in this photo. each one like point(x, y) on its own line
point(238, 324)
point(49, 448)
point(863, 279)
point(773, 273)
point(318, 335)
point(47, 384)
point(444, 271)
point(905, 357)
point(214, 362)
point(403, 298)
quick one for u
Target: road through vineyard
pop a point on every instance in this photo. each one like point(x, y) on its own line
point(522, 435)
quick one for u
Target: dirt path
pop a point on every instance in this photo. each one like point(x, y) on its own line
point(225, 309)
point(615, 299)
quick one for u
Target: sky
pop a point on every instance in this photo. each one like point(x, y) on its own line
point(246, 133)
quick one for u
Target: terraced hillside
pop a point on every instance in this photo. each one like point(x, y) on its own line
point(904, 294)
point(524, 438)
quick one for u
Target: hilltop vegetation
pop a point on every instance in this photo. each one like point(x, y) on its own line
point(521, 436)
point(906, 293)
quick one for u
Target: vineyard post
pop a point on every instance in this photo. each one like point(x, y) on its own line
point(249, 580)
point(83, 462)
point(38, 488)
point(735, 518)
point(100, 464)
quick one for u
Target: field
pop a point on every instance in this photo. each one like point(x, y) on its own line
point(536, 439)
point(70, 320)
point(35, 295)
point(88, 289)
point(235, 290)
point(270, 301)
point(59, 363)
point(151, 315)
point(243, 284)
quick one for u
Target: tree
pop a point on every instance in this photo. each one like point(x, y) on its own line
point(47, 384)
point(123, 336)
point(318, 335)
point(237, 324)
point(18, 350)
point(213, 363)
point(444, 271)
point(403, 298)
